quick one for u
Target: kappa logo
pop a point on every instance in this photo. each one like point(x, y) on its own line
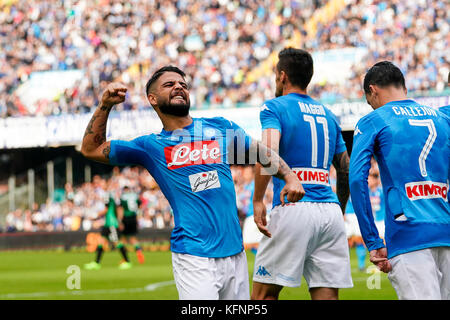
point(357, 131)
point(262, 272)
point(264, 107)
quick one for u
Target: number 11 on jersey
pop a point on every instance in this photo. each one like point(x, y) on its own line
point(312, 124)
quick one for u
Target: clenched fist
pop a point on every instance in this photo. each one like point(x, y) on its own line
point(114, 94)
point(293, 189)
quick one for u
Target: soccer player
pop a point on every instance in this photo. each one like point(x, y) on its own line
point(410, 142)
point(127, 213)
point(190, 160)
point(110, 232)
point(306, 238)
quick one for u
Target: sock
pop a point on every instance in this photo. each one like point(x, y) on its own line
point(254, 250)
point(123, 251)
point(361, 254)
point(99, 252)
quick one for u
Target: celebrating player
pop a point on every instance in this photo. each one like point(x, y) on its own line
point(306, 238)
point(411, 145)
point(190, 160)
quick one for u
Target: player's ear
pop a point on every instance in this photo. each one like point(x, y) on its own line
point(373, 90)
point(152, 99)
point(283, 77)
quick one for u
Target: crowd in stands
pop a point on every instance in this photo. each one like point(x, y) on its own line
point(216, 42)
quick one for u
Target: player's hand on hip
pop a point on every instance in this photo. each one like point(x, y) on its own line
point(293, 189)
point(259, 215)
point(114, 94)
point(379, 258)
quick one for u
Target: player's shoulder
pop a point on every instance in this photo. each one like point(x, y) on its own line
point(445, 110)
point(141, 140)
point(368, 122)
point(216, 122)
point(273, 104)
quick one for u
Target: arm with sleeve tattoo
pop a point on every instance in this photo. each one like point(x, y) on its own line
point(94, 145)
point(341, 162)
point(270, 163)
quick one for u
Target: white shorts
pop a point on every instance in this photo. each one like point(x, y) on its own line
point(351, 225)
point(200, 278)
point(308, 239)
point(250, 231)
point(422, 274)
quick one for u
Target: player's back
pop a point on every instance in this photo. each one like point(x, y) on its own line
point(310, 137)
point(413, 154)
point(411, 146)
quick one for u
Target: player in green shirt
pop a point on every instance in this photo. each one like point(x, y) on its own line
point(110, 231)
point(128, 210)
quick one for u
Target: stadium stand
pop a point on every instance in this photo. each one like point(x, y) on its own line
point(219, 44)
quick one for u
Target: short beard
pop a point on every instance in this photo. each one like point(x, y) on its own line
point(177, 110)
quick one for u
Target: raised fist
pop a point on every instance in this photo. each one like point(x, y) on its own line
point(114, 94)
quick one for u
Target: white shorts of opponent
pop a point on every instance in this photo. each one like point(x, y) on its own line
point(308, 239)
point(201, 278)
point(422, 274)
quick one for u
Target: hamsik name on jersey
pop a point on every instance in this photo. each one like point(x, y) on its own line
point(192, 168)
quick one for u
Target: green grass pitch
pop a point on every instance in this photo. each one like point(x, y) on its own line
point(43, 275)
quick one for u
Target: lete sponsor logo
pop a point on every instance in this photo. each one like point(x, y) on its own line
point(193, 153)
point(204, 181)
point(426, 190)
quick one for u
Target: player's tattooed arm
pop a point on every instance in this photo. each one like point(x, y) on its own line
point(274, 165)
point(341, 162)
point(271, 161)
point(94, 145)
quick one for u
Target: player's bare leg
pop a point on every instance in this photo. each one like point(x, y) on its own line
point(265, 291)
point(322, 293)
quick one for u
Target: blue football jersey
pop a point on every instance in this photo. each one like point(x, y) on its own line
point(192, 168)
point(411, 144)
point(310, 137)
point(446, 110)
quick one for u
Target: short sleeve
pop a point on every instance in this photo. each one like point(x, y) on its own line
point(239, 138)
point(128, 152)
point(268, 118)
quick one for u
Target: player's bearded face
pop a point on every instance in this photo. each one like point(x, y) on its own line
point(175, 105)
point(174, 97)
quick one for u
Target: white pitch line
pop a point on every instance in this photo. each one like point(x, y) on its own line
point(150, 287)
